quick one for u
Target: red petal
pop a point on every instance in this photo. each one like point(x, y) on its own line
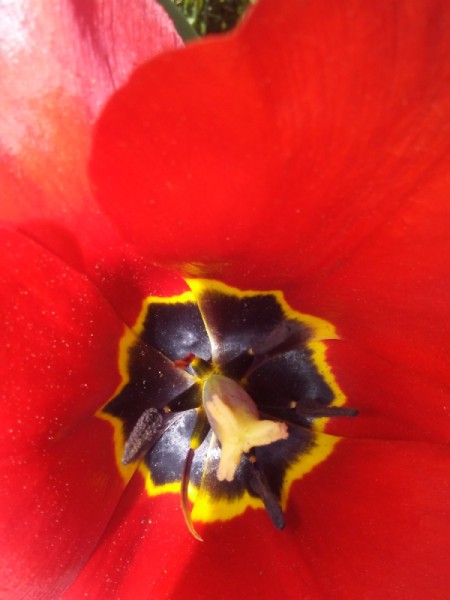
point(60, 63)
point(390, 300)
point(145, 553)
point(374, 517)
point(394, 400)
point(81, 50)
point(60, 482)
point(280, 162)
point(358, 524)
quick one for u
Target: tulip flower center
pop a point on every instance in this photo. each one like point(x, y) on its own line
point(224, 397)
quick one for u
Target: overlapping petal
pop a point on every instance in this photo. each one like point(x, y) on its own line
point(59, 479)
point(319, 163)
point(313, 150)
point(358, 527)
point(320, 166)
point(60, 62)
point(306, 152)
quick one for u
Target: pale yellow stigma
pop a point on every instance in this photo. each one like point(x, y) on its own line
point(234, 418)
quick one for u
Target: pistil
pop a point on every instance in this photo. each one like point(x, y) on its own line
point(234, 418)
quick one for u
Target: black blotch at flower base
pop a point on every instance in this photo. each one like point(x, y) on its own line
point(201, 372)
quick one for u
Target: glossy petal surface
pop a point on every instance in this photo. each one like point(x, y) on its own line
point(320, 167)
point(60, 62)
point(317, 162)
point(336, 549)
point(60, 482)
point(297, 153)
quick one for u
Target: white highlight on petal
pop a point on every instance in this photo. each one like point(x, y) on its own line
point(13, 14)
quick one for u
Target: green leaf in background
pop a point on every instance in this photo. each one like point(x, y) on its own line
point(211, 16)
point(183, 26)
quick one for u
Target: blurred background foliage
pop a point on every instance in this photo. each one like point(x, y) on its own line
point(212, 16)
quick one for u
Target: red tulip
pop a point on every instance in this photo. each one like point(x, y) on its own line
point(60, 62)
point(307, 152)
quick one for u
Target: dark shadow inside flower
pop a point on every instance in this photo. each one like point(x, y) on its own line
point(224, 394)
